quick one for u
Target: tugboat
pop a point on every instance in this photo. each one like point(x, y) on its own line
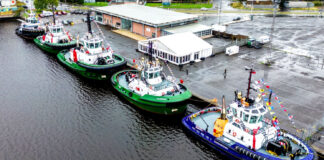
point(56, 39)
point(151, 90)
point(91, 59)
point(31, 28)
point(242, 132)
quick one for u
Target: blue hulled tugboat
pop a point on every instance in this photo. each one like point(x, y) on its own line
point(31, 28)
point(241, 131)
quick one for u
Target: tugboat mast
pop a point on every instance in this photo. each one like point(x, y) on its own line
point(249, 83)
point(150, 51)
point(89, 23)
point(53, 15)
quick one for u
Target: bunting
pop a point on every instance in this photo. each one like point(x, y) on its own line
point(262, 88)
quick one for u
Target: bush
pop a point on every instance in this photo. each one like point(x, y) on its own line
point(317, 3)
point(237, 5)
point(96, 4)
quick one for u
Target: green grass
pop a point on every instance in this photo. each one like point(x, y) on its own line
point(181, 5)
point(100, 4)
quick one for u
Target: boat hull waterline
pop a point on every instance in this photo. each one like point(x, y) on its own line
point(236, 150)
point(54, 48)
point(163, 105)
point(95, 72)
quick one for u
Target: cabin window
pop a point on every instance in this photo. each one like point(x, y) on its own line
point(261, 118)
point(150, 75)
point(253, 119)
point(54, 30)
point(91, 45)
point(96, 45)
point(58, 30)
point(246, 117)
point(145, 75)
point(234, 112)
point(156, 74)
point(87, 45)
point(241, 114)
point(236, 125)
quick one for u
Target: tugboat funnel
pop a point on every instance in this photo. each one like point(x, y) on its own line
point(220, 122)
point(223, 115)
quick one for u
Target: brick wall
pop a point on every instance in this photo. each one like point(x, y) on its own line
point(115, 20)
point(106, 19)
point(137, 28)
point(148, 30)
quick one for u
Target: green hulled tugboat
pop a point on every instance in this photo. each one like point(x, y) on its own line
point(91, 59)
point(151, 90)
point(56, 39)
point(30, 28)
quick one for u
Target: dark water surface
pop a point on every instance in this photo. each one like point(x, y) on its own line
point(47, 112)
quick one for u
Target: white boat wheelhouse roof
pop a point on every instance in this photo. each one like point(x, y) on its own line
point(147, 15)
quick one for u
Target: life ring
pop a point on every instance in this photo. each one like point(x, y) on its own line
point(237, 121)
point(234, 134)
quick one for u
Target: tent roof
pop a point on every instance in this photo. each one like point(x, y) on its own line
point(182, 44)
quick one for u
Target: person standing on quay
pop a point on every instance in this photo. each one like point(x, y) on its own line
point(225, 73)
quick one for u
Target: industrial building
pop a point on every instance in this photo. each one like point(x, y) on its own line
point(146, 21)
point(179, 48)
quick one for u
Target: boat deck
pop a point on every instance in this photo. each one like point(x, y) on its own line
point(122, 81)
point(201, 120)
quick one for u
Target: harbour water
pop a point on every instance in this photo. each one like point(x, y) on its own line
point(47, 112)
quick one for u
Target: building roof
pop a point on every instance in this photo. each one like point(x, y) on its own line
point(182, 44)
point(195, 27)
point(148, 15)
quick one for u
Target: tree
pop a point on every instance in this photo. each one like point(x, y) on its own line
point(44, 4)
point(282, 5)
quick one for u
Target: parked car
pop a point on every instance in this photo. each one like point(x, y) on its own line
point(252, 43)
point(65, 22)
point(63, 13)
point(237, 19)
point(203, 9)
point(47, 13)
point(85, 19)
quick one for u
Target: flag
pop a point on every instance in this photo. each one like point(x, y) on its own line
point(281, 106)
point(290, 116)
point(269, 108)
point(265, 99)
point(261, 90)
point(268, 87)
point(276, 98)
point(272, 113)
point(285, 110)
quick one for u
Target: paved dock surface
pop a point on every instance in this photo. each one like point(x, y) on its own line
point(297, 80)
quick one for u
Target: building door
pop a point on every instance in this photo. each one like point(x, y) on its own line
point(126, 24)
